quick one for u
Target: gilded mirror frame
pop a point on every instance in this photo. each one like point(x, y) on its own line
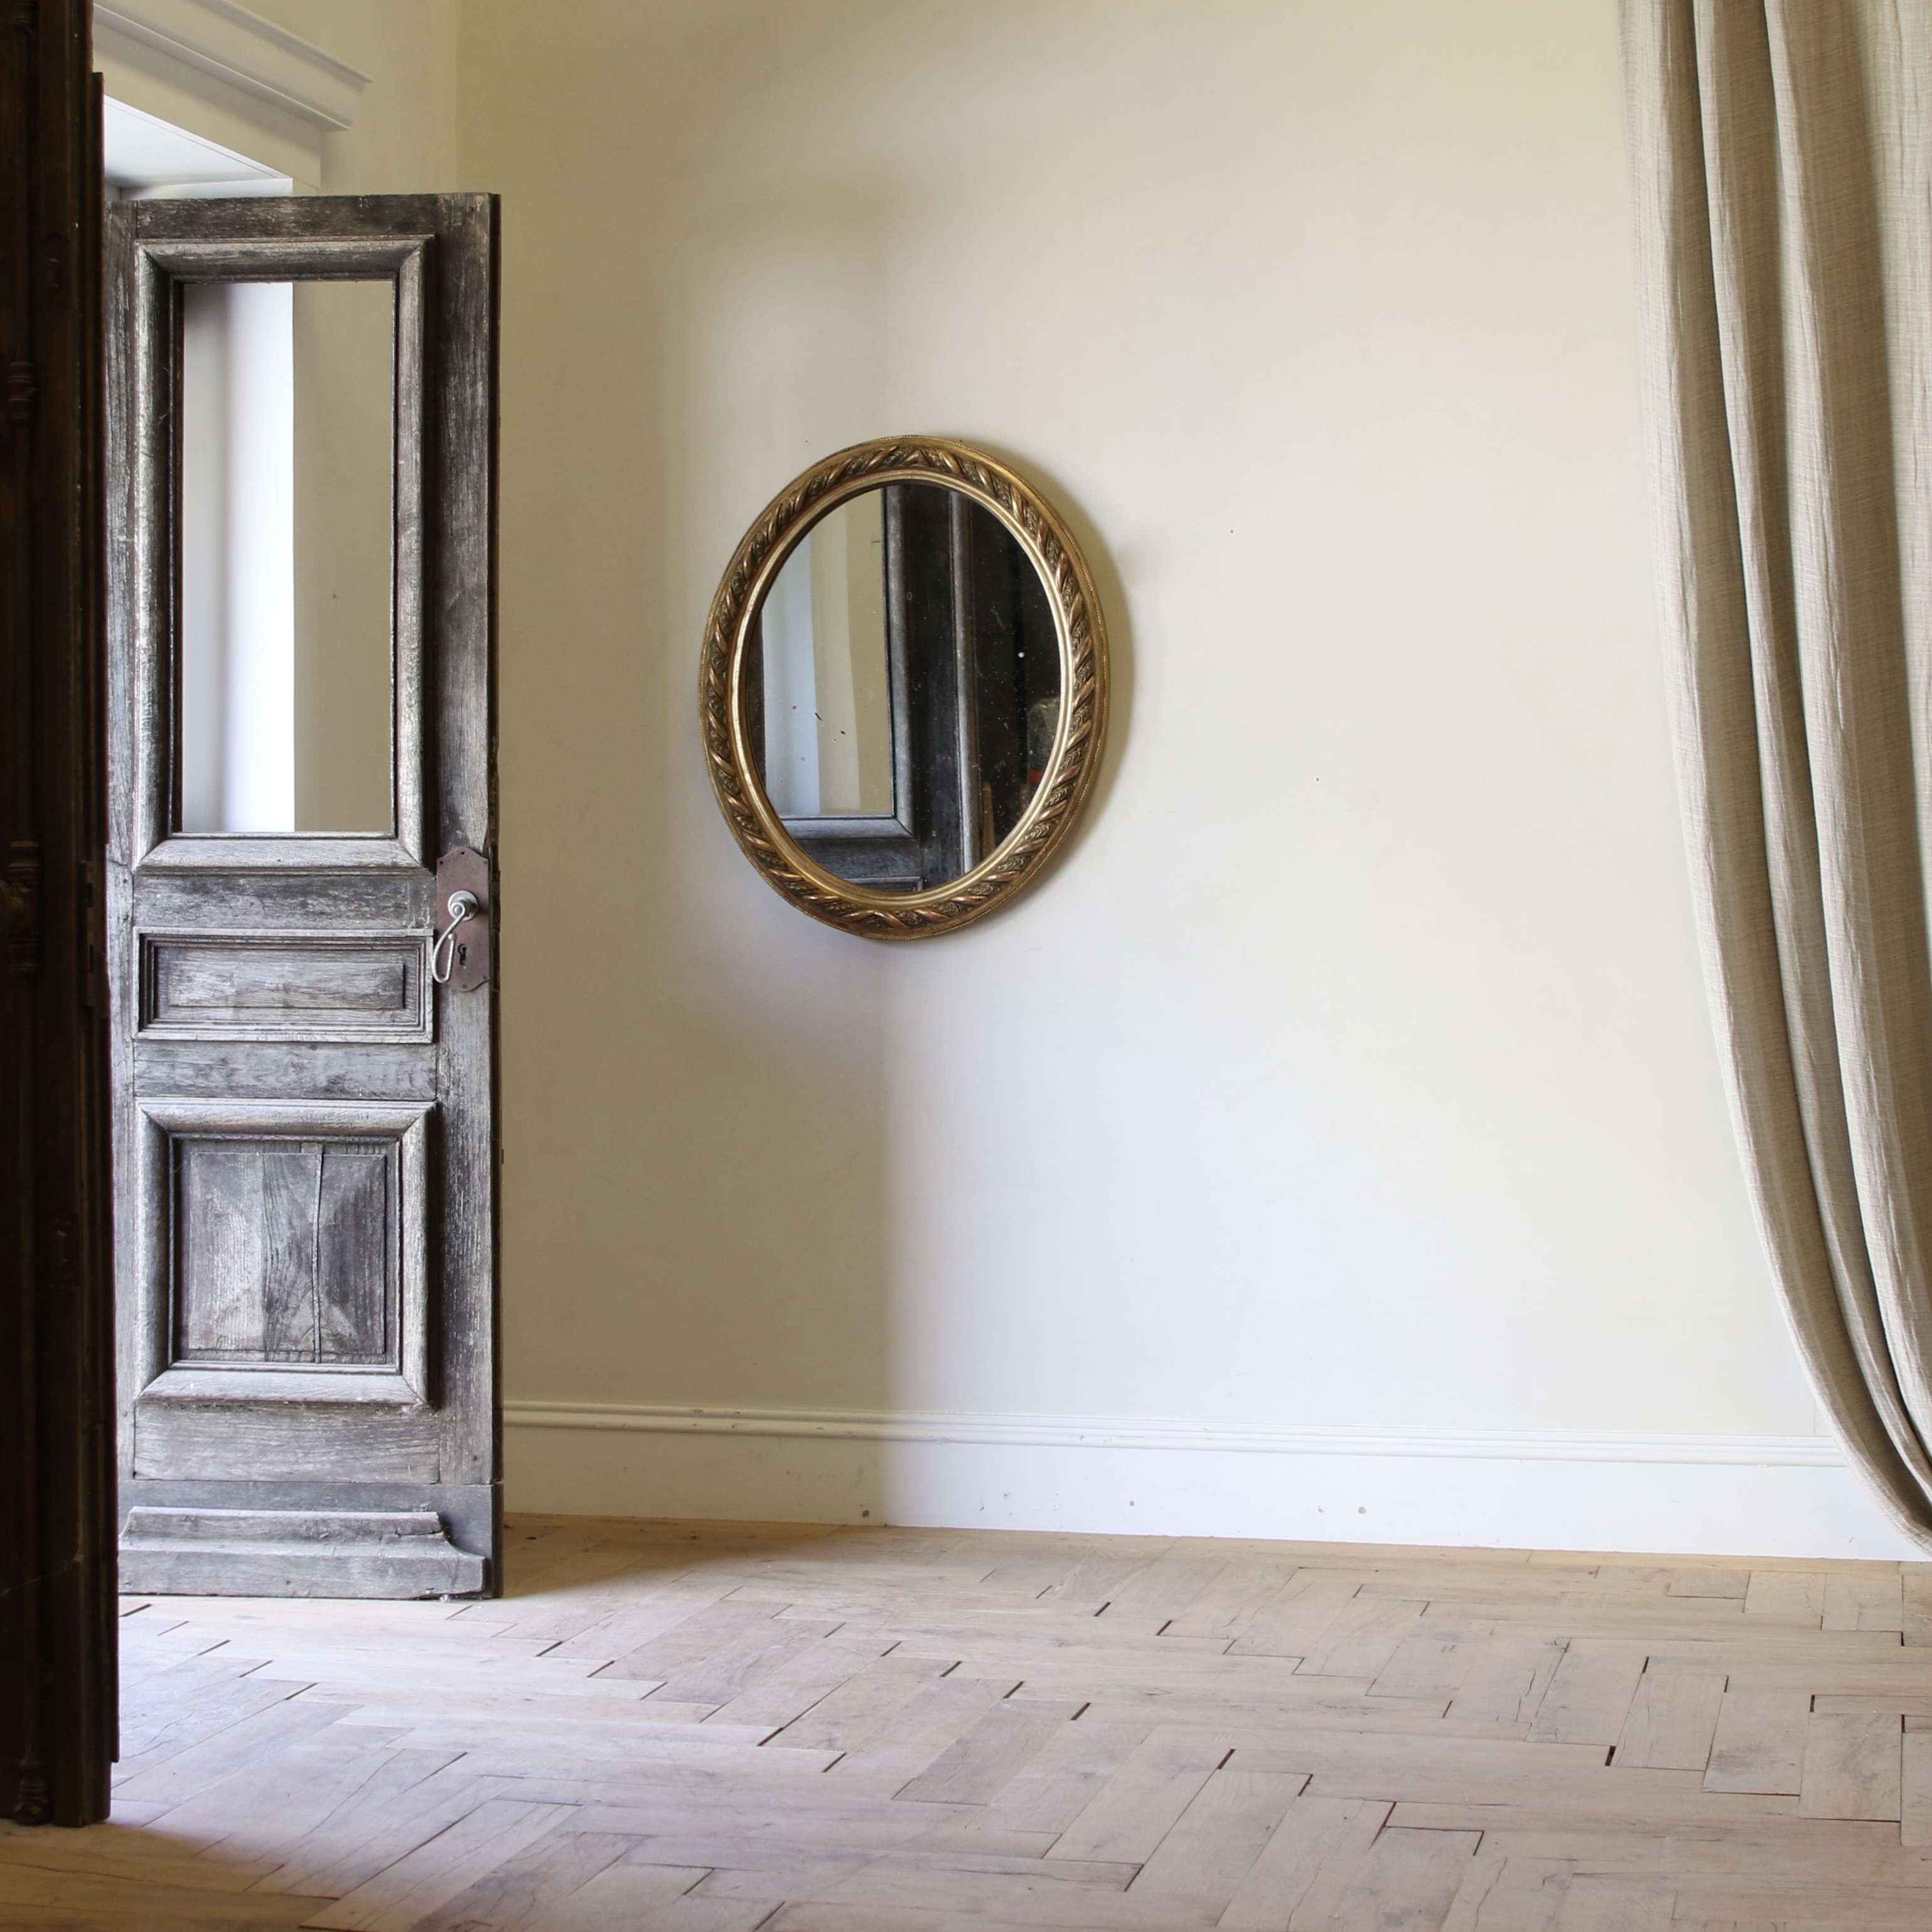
point(1071, 766)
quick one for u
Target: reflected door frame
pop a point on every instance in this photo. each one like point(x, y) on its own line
point(931, 834)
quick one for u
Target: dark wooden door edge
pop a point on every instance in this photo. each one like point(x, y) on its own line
point(57, 1673)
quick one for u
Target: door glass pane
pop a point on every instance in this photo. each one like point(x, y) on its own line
point(828, 705)
point(286, 520)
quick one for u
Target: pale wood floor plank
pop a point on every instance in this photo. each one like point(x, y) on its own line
point(1362, 1637)
point(1151, 1600)
point(930, 1722)
point(1595, 1904)
point(531, 1887)
point(772, 1696)
point(1317, 1837)
point(1432, 1663)
point(1526, 1894)
point(1348, 1764)
point(187, 1708)
point(1915, 1787)
point(1121, 1914)
point(379, 1824)
point(401, 1895)
point(79, 1902)
point(1103, 1569)
point(798, 1873)
point(1484, 1871)
point(1335, 1877)
point(975, 1768)
point(1851, 1761)
point(1786, 1593)
point(255, 1814)
point(1320, 1703)
point(1691, 1860)
point(745, 1728)
point(1915, 1602)
point(626, 1897)
point(1293, 1624)
point(1234, 1600)
point(1864, 1907)
point(1716, 1583)
point(1590, 1696)
point(1507, 1681)
point(1136, 1806)
point(1872, 1603)
point(874, 1694)
point(1054, 1787)
point(180, 1774)
point(1409, 1878)
point(1910, 1704)
point(672, 1828)
point(1213, 1844)
point(1672, 1721)
point(1078, 1896)
point(114, 1851)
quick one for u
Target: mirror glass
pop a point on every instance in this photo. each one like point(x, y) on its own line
point(287, 517)
point(902, 686)
point(828, 749)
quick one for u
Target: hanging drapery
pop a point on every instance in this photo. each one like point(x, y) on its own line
point(1780, 150)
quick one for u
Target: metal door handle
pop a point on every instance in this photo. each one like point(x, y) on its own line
point(462, 907)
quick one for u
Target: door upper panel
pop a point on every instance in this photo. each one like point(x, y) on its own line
point(278, 384)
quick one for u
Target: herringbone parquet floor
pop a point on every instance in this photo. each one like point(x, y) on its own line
point(731, 1728)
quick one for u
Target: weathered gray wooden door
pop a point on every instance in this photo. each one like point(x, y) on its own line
point(301, 401)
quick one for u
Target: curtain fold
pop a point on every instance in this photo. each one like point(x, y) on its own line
point(1783, 198)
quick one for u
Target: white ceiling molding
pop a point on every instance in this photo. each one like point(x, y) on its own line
point(247, 51)
point(144, 157)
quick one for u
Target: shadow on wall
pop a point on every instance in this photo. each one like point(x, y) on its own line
point(703, 1167)
point(699, 1175)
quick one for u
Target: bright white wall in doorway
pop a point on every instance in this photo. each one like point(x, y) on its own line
point(237, 770)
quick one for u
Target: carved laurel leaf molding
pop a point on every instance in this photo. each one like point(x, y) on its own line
point(1076, 754)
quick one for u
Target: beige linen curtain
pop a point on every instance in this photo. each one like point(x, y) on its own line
point(1780, 151)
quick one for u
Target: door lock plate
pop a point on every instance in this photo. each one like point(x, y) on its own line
point(467, 946)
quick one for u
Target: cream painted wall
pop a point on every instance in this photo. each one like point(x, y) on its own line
point(1353, 1070)
point(403, 140)
point(1346, 1095)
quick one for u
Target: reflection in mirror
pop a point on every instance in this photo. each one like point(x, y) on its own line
point(902, 687)
point(287, 472)
point(828, 713)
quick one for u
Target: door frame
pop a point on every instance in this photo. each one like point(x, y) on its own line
point(57, 1582)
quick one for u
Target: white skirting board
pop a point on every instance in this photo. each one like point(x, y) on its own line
point(1718, 1495)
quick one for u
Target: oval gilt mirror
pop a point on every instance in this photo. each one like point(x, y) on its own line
point(904, 688)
